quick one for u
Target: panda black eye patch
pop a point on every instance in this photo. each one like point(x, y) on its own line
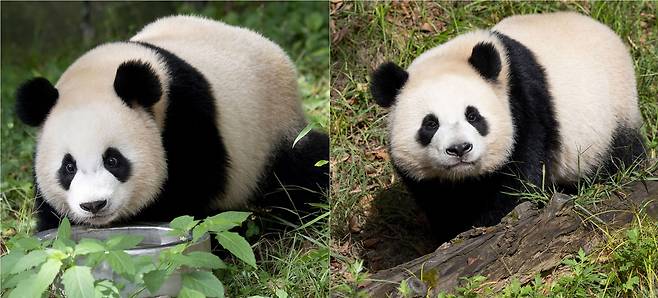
point(427, 129)
point(117, 164)
point(67, 171)
point(476, 120)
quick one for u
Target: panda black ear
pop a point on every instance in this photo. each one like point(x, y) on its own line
point(137, 82)
point(386, 82)
point(486, 60)
point(34, 99)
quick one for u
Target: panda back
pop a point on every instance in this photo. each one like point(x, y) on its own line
point(254, 85)
point(591, 80)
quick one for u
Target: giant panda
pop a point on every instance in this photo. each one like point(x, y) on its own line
point(188, 117)
point(541, 98)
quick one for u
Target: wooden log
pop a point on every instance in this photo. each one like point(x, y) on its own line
point(527, 241)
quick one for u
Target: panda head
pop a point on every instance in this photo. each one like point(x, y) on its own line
point(99, 155)
point(449, 116)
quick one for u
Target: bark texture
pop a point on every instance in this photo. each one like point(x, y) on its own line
point(526, 242)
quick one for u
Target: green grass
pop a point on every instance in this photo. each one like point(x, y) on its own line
point(33, 44)
point(367, 34)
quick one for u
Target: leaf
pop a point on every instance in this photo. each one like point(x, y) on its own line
point(106, 288)
point(121, 262)
point(27, 243)
point(199, 231)
point(93, 259)
point(184, 223)
point(47, 274)
point(78, 282)
point(189, 293)
point(238, 246)
point(633, 235)
point(29, 260)
point(63, 244)
point(303, 133)
point(143, 264)
point(64, 229)
point(226, 220)
point(154, 279)
point(631, 283)
point(321, 162)
point(209, 260)
point(204, 282)
point(121, 242)
point(8, 261)
point(252, 229)
point(17, 292)
point(200, 259)
point(13, 280)
point(56, 254)
point(87, 246)
point(281, 293)
point(35, 285)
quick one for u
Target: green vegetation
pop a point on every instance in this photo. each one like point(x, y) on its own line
point(34, 266)
point(366, 199)
point(42, 39)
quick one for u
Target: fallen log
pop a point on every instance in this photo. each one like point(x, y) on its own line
point(528, 241)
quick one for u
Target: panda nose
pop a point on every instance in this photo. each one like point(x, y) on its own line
point(94, 206)
point(459, 149)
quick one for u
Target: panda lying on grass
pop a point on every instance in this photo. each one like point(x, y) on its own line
point(190, 116)
point(547, 99)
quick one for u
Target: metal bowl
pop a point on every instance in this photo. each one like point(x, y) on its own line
point(156, 239)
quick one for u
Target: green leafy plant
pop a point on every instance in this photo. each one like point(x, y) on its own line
point(351, 288)
point(585, 278)
point(32, 267)
point(404, 290)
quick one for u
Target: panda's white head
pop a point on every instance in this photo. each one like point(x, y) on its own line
point(99, 155)
point(449, 116)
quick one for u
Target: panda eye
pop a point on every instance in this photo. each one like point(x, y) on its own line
point(472, 114)
point(70, 168)
point(112, 162)
point(430, 124)
point(471, 117)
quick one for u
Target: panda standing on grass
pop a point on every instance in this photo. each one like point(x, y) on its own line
point(547, 99)
point(190, 116)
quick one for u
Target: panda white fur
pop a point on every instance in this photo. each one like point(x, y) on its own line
point(550, 98)
point(189, 116)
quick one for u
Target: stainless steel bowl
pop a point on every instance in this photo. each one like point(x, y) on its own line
point(156, 239)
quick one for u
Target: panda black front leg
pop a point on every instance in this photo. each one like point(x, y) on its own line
point(46, 215)
point(295, 181)
point(452, 208)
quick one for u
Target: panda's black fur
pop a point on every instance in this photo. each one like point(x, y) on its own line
point(455, 206)
point(485, 59)
point(137, 83)
point(627, 147)
point(386, 82)
point(537, 129)
point(36, 112)
point(197, 158)
point(195, 150)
